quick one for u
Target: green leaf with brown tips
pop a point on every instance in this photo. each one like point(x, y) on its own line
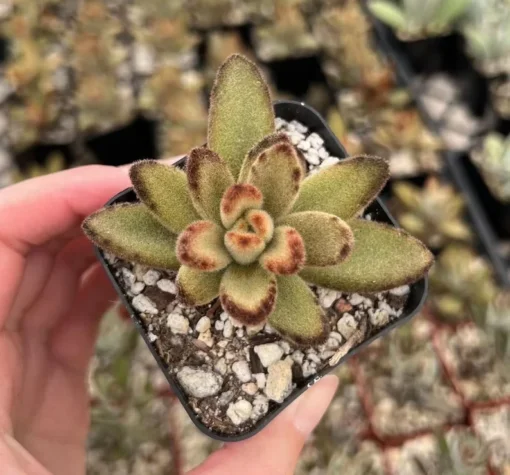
point(297, 316)
point(345, 189)
point(262, 146)
point(328, 239)
point(277, 173)
point(248, 293)
point(383, 258)
point(208, 178)
point(244, 247)
point(164, 190)
point(197, 288)
point(201, 247)
point(285, 254)
point(131, 232)
point(238, 199)
point(241, 113)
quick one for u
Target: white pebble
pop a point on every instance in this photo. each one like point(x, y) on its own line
point(166, 285)
point(315, 140)
point(304, 145)
point(239, 333)
point(313, 357)
point(269, 353)
point(221, 366)
point(347, 325)
point(284, 346)
point(260, 407)
point(279, 123)
point(239, 411)
point(128, 276)
point(207, 338)
point(218, 325)
point(203, 325)
point(151, 277)
point(312, 157)
point(228, 329)
point(400, 291)
point(250, 388)
point(356, 299)
point(296, 137)
point(298, 356)
point(323, 154)
point(336, 336)
point(255, 329)
point(199, 383)
point(223, 316)
point(279, 381)
point(144, 304)
point(328, 297)
point(379, 317)
point(309, 368)
point(329, 162)
point(177, 323)
point(152, 337)
point(261, 380)
point(242, 371)
point(137, 288)
point(299, 126)
point(332, 343)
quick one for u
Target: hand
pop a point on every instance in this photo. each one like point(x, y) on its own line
point(52, 295)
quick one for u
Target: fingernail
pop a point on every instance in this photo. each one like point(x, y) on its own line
point(312, 405)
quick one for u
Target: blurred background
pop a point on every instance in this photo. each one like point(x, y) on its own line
point(425, 84)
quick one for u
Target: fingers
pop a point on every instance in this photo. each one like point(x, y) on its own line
point(39, 210)
point(275, 450)
point(73, 340)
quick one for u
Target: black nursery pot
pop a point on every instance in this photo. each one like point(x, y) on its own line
point(288, 110)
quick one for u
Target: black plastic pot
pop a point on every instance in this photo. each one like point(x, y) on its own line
point(287, 110)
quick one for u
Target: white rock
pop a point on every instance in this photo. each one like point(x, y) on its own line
point(239, 411)
point(328, 297)
point(285, 347)
point(225, 398)
point(151, 277)
point(269, 353)
point(221, 366)
point(346, 325)
point(332, 343)
point(279, 123)
point(260, 407)
point(218, 325)
point(239, 333)
point(199, 383)
point(379, 317)
point(304, 145)
point(228, 329)
point(323, 154)
point(235, 323)
point(255, 329)
point(137, 288)
point(336, 336)
point(400, 291)
point(152, 337)
point(298, 356)
point(299, 126)
point(312, 157)
point(166, 285)
point(203, 324)
point(177, 323)
point(296, 137)
point(207, 338)
point(144, 304)
point(250, 388)
point(143, 59)
point(261, 380)
point(128, 276)
point(279, 381)
point(315, 140)
point(229, 355)
point(269, 329)
point(313, 357)
point(383, 305)
point(242, 371)
point(356, 299)
point(329, 162)
point(223, 343)
point(223, 316)
point(308, 368)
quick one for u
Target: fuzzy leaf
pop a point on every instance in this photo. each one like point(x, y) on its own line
point(297, 316)
point(131, 232)
point(208, 178)
point(286, 254)
point(277, 173)
point(248, 293)
point(344, 189)
point(244, 247)
point(201, 247)
point(383, 258)
point(241, 113)
point(328, 239)
point(261, 223)
point(254, 153)
point(238, 199)
point(449, 11)
point(388, 13)
point(164, 190)
point(195, 287)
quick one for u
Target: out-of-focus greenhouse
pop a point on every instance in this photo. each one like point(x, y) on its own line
point(423, 84)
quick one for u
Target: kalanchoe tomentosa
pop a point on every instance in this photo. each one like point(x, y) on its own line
point(241, 223)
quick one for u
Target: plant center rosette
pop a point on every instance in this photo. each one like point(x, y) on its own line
point(244, 224)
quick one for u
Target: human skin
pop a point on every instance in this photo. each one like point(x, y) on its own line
point(52, 296)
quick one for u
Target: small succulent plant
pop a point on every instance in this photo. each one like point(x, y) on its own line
point(461, 284)
point(497, 323)
point(243, 224)
point(493, 160)
point(433, 213)
point(414, 19)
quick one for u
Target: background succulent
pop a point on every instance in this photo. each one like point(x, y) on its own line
point(413, 19)
point(497, 323)
point(433, 213)
point(493, 160)
point(242, 224)
point(461, 284)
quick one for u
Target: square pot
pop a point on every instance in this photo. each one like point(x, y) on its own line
point(287, 110)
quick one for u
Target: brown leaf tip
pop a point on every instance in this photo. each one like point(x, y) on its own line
point(261, 223)
point(287, 256)
point(251, 317)
point(245, 247)
point(196, 157)
point(236, 200)
point(135, 175)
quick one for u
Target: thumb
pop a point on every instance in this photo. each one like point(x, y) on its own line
point(275, 450)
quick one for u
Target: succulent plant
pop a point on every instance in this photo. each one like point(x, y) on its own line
point(461, 284)
point(486, 33)
point(497, 323)
point(413, 19)
point(241, 223)
point(432, 213)
point(493, 160)
point(463, 452)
